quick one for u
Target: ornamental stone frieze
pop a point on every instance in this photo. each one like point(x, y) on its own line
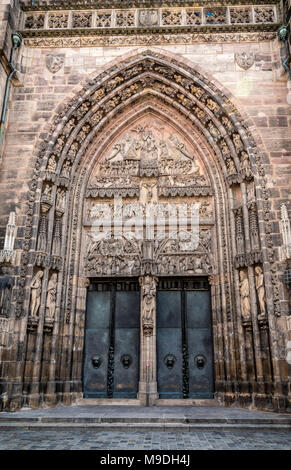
point(43, 27)
point(247, 17)
point(114, 40)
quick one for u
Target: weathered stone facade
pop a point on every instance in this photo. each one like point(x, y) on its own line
point(204, 88)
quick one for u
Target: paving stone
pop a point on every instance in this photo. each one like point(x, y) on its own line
point(70, 440)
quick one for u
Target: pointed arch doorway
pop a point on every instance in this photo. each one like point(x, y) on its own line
point(143, 205)
point(151, 131)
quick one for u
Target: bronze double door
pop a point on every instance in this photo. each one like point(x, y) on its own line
point(112, 339)
point(184, 339)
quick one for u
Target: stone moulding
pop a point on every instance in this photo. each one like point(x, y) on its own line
point(26, 5)
point(111, 192)
point(145, 40)
point(188, 191)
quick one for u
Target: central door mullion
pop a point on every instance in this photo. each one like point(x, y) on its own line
point(110, 370)
point(185, 363)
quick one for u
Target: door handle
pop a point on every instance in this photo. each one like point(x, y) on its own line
point(126, 360)
point(200, 361)
point(169, 361)
point(96, 361)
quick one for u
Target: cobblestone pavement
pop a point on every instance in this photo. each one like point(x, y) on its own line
point(91, 440)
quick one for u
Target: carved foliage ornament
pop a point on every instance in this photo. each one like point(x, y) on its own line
point(146, 40)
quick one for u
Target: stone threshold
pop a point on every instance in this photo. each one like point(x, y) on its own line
point(135, 402)
point(107, 402)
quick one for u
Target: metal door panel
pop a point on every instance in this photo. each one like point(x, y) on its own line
point(95, 379)
point(96, 344)
point(98, 310)
point(200, 380)
point(199, 340)
point(169, 343)
point(198, 309)
point(127, 340)
point(126, 352)
point(127, 310)
point(169, 309)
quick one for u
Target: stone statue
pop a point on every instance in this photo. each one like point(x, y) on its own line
point(51, 297)
point(61, 199)
point(52, 164)
point(148, 291)
point(66, 169)
point(245, 162)
point(6, 285)
point(260, 289)
point(36, 293)
point(47, 190)
point(230, 166)
point(245, 295)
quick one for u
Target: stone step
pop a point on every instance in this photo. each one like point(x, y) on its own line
point(146, 419)
point(187, 402)
point(107, 402)
point(146, 426)
point(133, 402)
point(146, 422)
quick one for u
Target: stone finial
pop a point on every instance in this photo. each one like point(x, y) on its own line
point(8, 254)
point(285, 229)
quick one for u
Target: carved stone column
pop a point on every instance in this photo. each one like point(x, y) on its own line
point(148, 371)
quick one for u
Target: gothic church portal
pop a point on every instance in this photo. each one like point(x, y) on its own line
point(95, 301)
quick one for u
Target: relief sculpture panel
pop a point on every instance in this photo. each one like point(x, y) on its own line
point(149, 184)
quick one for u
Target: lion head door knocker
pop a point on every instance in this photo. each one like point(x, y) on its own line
point(200, 361)
point(96, 361)
point(126, 361)
point(170, 360)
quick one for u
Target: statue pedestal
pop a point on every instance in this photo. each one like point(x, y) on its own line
point(148, 394)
